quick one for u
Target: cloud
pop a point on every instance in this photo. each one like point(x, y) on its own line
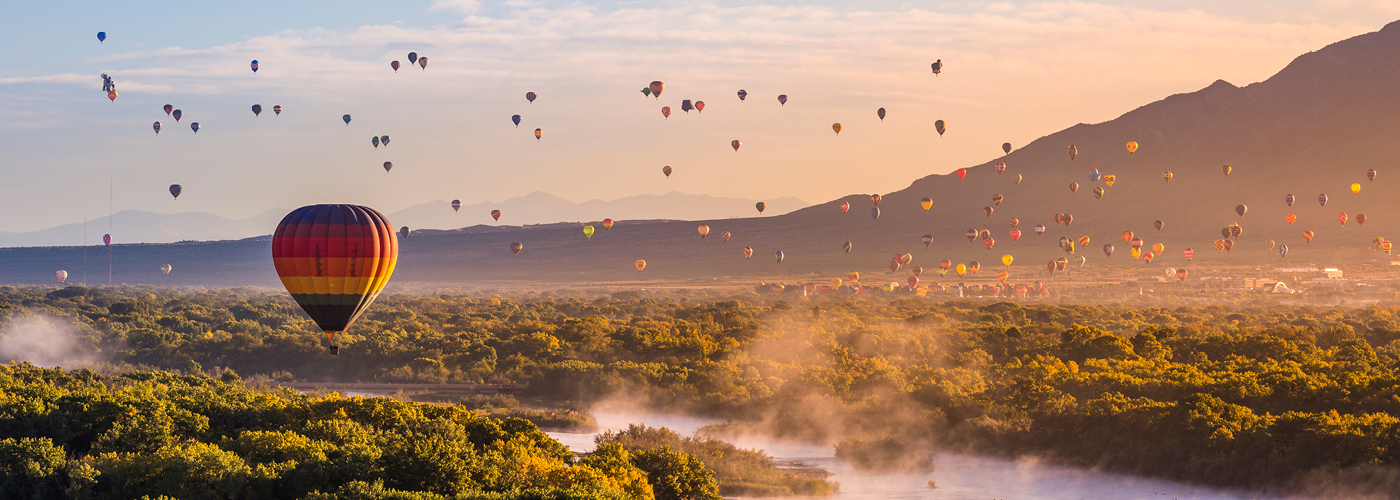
point(466, 6)
point(44, 341)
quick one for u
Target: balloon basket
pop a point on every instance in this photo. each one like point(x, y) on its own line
point(335, 350)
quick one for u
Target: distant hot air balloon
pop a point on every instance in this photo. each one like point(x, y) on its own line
point(940, 126)
point(1127, 236)
point(836, 127)
point(760, 206)
point(1342, 218)
point(530, 96)
point(1017, 178)
point(1283, 250)
point(742, 94)
point(607, 224)
point(1039, 229)
point(1098, 192)
point(175, 190)
point(656, 87)
point(1084, 241)
point(404, 232)
point(748, 252)
point(1006, 147)
point(177, 114)
point(539, 133)
point(277, 110)
point(1241, 209)
point(667, 170)
point(1322, 199)
point(516, 247)
point(927, 240)
point(346, 118)
point(778, 256)
point(1073, 151)
point(1189, 253)
point(944, 265)
point(845, 206)
point(1147, 257)
point(388, 165)
point(101, 37)
point(107, 240)
point(61, 275)
point(334, 279)
point(156, 127)
point(846, 247)
point(195, 127)
point(1132, 147)
point(725, 236)
point(666, 112)
point(699, 106)
point(1013, 221)
point(937, 67)
point(456, 205)
point(1109, 179)
point(1094, 174)
point(989, 242)
point(1167, 176)
point(515, 119)
point(1355, 189)
point(1371, 174)
point(927, 203)
point(412, 57)
point(1307, 236)
point(1007, 259)
point(588, 232)
point(254, 65)
point(496, 214)
point(875, 199)
point(423, 63)
point(1073, 187)
point(1016, 234)
point(1000, 167)
point(1269, 245)
point(704, 230)
point(168, 108)
point(962, 172)
point(1108, 250)
point(1158, 248)
point(913, 282)
point(1289, 199)
point(686, 106)
point(881, 113)
point(394, 65)
point(257, 110)
point(1360, 218)
point(374, 141)
point(987, 211)
point(111, 95)
point(874, 212)
point(735, 144)
point(166, 268)
point(782, 99)
point(854, 277)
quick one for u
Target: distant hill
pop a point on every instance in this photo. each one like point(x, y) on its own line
point(137, 226)
point(1315, 127)
point(545, 208)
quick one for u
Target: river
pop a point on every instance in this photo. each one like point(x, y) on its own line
point(957, 476)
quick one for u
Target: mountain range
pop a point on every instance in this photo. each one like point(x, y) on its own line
point(1313, 128)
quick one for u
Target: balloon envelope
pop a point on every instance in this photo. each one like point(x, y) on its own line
point(334, 260)
point(175, 190)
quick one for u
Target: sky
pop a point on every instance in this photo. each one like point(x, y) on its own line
point(1015, 71)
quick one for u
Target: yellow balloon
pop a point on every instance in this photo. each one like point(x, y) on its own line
point(1355, 188)
point(588, 231)
point(1109, 179)
point(1158, 248)
point(927, 203)
point(962, 269)
point(836, 127)
point(1132, 147)
point(1006, 259)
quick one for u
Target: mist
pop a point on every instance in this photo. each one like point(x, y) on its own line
point(45, 341)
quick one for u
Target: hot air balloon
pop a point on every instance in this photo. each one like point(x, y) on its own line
point(607, 224)
point(961, 270)
point(1013, 221)
point(456, 205)
point(334, 260)
point(515, 119)
point(277, 110)
point(782, 99)
point(853, 277)
point(1007, 259)
point(423, 63)
point(845, 206)
point(1269, 245)
point(1342, 218)
point(1098, 192)
point(703, 230)
point(1108, 250)
point(1355, 189)
point(1006, 147)
point(1241, 209)
point(913, 282)
point(1132, 147)
point(539, 133)
point(195, 127)
point(1322, 199)
point(394, 65)
point(927, 203)
point(1360, 218)
point(112, 96)
point(384, 140)
point(1158, 248)
point(1307, 236)
point(1283, 250)
point(1094, 174)
point(257, 110)
point(748, 252)
point(1003, 276)
point(1136, 243)
point(927, 239)
point(1084, 241)
point(988, 242)
point(1147, 257)
point(778, 256)
point(881, 113)
point(1290, 218)
point(374, 141)
point(166, 268)
point(666, 170)
point(404, 232)
point(760, 206)
point(1073, 151)
point(984, 234)
point(940, 126)
point(254, 65)
point(1189, 253)
point(944, 266)
point(156, 126)
point(516, 247)
point(1000, 167)
point(388, 165)
point(176, 114)
point(904, 258)
point(962, 172)
point(1220, 245)
point(735, 144)
point(346, 118)
point(107, 240)
point(530, 96)
point(588, 232)
point(496, 214)
point(1371, 174)
point(874, 212)
point(412, 57)
point(1068, 219)
point(1226, 169)
point(1167, 176)
point(742, 94)
point(1127, 236)
point(918, 271)
point(987, 211)
point(846, 247)
point(175, 190)
point(1039, 229)
point(1073, 187)
point(699, 106)
point(167, 108)
point(937, 67)
point(973, 267)
point(836, 127)
point(1080, 260)
point(1015, 234)
point(1017, 178)
point(1109, 179)
point(666, 112)
point(101, 37)
point(724, 236)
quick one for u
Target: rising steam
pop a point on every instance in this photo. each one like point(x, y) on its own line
point(44, 341)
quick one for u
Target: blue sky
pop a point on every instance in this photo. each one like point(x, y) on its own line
point(1016, 71)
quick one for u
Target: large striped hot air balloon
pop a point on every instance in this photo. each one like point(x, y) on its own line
point(334, 260)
